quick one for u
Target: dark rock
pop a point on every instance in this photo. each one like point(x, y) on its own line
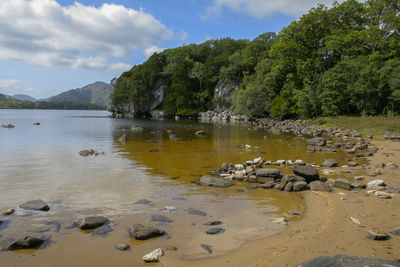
point(279, 187)
point(352, 164)
point(376, 236)
point(8, 126)
point(122, 247)
point(252, 187)
point(308, 172)
point(36, 123)
point(214, 223)
point(289, 187)
point(141, 232)
point(102, 231)
point(273, 173)
point(296, 213)
point(192, 211)
point(364, 155)
point(394, 189)
point(27, 242)
point(265, 179)
point(143, 202)
point(35, 205)
point(268, 185)
point(318, 141)
point(342, 183)
point(329, 163)
point(214, 231)
point(347, 261)
point(358, 186)
point(91, 222)
point(217, 182)
point(395, 231)
point(300, 186)
point(207, 248)
point(160, 218)
point(84, 153)
point(319, 186)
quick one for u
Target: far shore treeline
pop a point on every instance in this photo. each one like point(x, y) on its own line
point(343, 60)
point(11, 103)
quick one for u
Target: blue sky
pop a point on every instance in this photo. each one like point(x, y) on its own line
point(49, 46)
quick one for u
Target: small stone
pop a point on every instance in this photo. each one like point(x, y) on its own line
point(216, 182)
point(27, 242)
point(392, 166)
point(252, 187)
point(257, 160)
point(377, 236)
point(358, 178)
point(382, 195)
point(214, 231)
point(122, 247)
point(214, 223)
point(268, 185)
point(352, 164)
point(358, 186)
point(319, 186)
point(299, 162)
point(91, 222)
point(329, 163)
point(141, 232)
point(171, 248)
point(395, 231)
point(35, 205)
point(143, 202)
point(280, 221)
point(153, 256)
point(376, 183)
point(208, 248)
point(201, 132)
point(192, 211)
point(342, 183)
point(366, 215)
point(160, 218)
point(238, 167)
point(355, 220)
point(380, 165)
point(7, 212)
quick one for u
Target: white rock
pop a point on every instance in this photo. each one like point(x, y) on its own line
point(376, 183)
point(281, 161)
point(238, 167)
point(224, 175)
point(355, 221)
point(257, 160)
point(247, 146)
point(280, 220)
point(153, 256)
point(383, 195)
point(170, 208)
point(358, 178)
point(289, 162)
point(300, 162)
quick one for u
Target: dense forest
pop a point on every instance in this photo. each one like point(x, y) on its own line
point(343, 60)
point(11, 103)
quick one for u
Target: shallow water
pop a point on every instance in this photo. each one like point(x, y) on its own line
point(43, 162)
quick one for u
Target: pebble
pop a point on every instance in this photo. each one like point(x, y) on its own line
point(153, 256)
point(122, 247)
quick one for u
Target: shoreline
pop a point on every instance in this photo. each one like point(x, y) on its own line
point(326, 228)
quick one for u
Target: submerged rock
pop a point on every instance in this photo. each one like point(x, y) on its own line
point(215, 231)
point(208, 248)
point(211, 181)
point(153, 256)
point(141, 232)
point(27, 242)
point(91, 222)
point(192, 211)
point(160, 218)
point(37, 204)
point(347, 261)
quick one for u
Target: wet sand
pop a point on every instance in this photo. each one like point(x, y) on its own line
point(326, 228)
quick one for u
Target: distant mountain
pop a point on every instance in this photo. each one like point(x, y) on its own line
point(24, 97)
point(97, 93)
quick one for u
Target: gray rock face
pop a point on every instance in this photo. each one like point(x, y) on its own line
point(317, 141)
point(377, 236)
point(211, 181)
point(91, 222)
point(319, 186)
point(329, 163)
point(141, 232)
point(35, 205)
point(308, 172)
point(224, 92)
point(342, 183)
point(27, 242)
point(273, 173)
point(215, 231)
point(160, 218)
point(300, 186)
point(347, 261)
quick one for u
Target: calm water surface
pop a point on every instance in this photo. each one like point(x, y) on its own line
point(43, 162)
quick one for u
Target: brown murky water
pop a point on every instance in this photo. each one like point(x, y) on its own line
point(43, 162)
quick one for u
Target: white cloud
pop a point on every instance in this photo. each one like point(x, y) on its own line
point(183, 36)
point(152, 49)
point(262, 8)
point(44, 33)
point(9, 86)
point(120, 66)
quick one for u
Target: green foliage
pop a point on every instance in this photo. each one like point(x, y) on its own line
point(10, 103)
point(338, 61)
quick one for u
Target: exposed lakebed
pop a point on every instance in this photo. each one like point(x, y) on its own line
point(150, 177)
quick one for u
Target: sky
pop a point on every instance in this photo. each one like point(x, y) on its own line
point(50, 46)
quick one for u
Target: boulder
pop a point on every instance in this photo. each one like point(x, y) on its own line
point(268, 185)
point(299, 186)
point(211, 181)
point(141, 232)
point(342, 183)
point(35, 205)
point(274, 173)
point(329, 163)
point(347, 261)
point(27, 242)
point(308, 172)
point(376, 183)
point(153, 256)
point(319, 186)
point(91, 222)
point(317, 141)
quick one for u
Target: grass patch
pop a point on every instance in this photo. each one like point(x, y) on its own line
point(375, 124)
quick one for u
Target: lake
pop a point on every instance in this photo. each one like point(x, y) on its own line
point(43, 161)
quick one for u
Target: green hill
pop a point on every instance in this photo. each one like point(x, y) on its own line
point(96, 93)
